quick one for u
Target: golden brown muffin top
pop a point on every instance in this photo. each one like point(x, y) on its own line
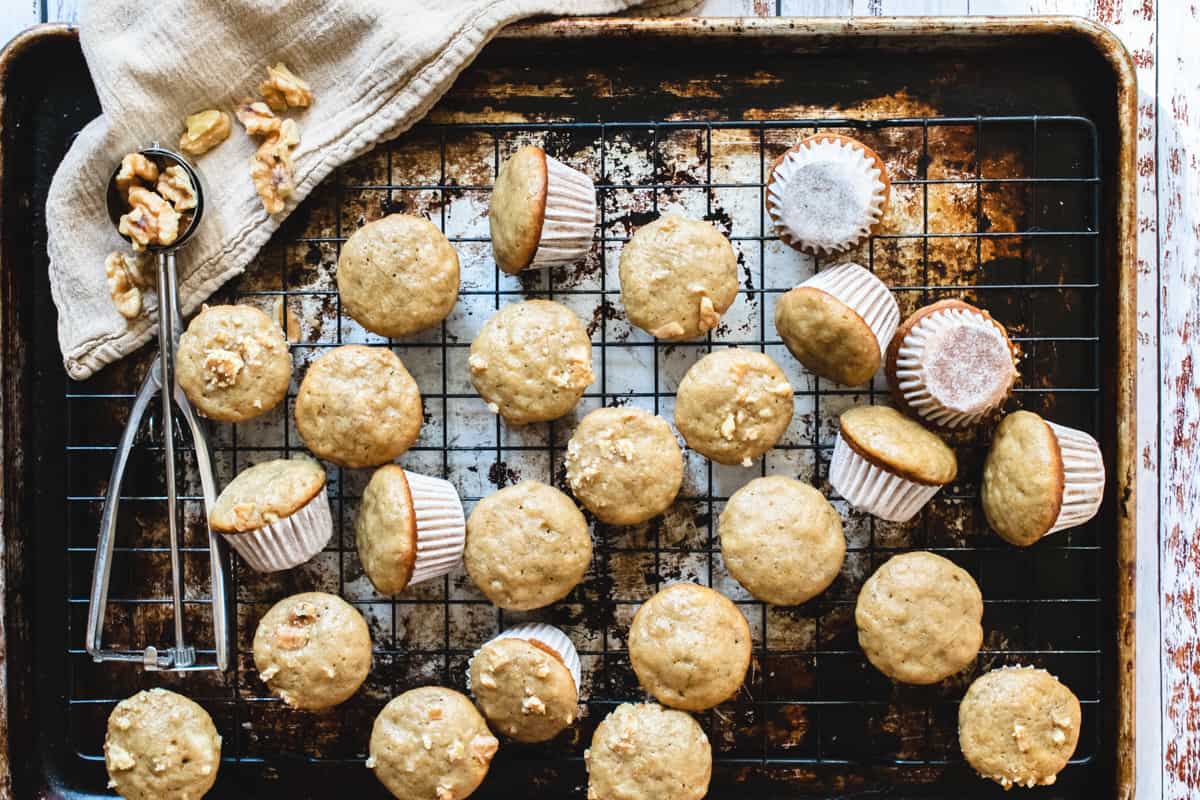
point(266, 493)
point(518, 208)
point(1023, 478)
point(161, 744)
point(646, 752)
point(1018, 726)
point(827, 336)
point(900, 445)
point(524, 689)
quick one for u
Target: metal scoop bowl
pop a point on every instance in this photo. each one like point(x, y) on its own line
point(160, 379)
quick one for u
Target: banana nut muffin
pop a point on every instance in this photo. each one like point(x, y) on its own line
point(398, 275)
point(733, 405)
point(1039, 478)
point(690, 647)
point(409, 528)
point(678, 276)
point(918, 618)
point(646, 752)
point(313, 650)
point(358, 406)
point(527, 546)
point(624, 465)
point(233, 363)
point(161, 745)
point(524, 688)
point(431, 743)
point(782, 540)
point(532, 361)
point(1018, 726)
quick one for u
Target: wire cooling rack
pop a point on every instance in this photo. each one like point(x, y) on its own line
point(1001, 211)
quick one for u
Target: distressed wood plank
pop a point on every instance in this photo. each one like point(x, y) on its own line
point(816, 8)
point(909, 8)
point(736, 8)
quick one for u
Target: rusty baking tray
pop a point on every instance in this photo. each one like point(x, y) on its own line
point(1010, 144)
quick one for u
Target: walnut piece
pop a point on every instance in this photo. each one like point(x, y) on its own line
point(150, 220)
point(272, 172)
point(221, 368)
point(483, 747)
point(283, 89)
point(135, 168)
point(126, 295)
point(175, 186)
point(291, 637)
point(205, 130)
point(289, 132)
point(257, 118)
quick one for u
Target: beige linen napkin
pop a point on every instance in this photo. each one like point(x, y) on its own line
point(375, 66)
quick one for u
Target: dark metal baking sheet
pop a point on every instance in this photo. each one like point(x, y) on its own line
point(1010, 146)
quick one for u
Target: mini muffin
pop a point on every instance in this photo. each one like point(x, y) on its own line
point(1040, 478)
point(690, 647)
point(431, 743)
point(398, 275)
point(526, 682)
point(888, 465)
point(1018, 726)
point(624, 465)
point(647, 752)
point(161, 744)
point(532, 361)
point(951, 364)
point(838, 323)
point(233, 363)
point(527, 546)
point(358, 406)
point(918, 618)
point(313, 650)
point(678, 276)
point(782, 540)
point(275, 514)
point(733, 405)
point(542, 213)
point(409, 528)
point(827, 194)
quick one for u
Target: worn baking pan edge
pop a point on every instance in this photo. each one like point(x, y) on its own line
point(816, 32)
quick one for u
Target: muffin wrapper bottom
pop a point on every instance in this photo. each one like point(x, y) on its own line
point(288, 542)
point(910, 372)
point(868, 296)
point(875, 490)
point(548, 635)
point(797, 225)
point(570, 220)
point(1083, 477)
point(441, 528)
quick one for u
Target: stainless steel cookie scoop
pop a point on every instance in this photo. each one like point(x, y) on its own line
point(160, 379)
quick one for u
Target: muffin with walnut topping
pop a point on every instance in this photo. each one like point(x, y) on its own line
point(647, 752)
point(233, 363)
point(431, 743)
point(161, 744)
point(313, 650)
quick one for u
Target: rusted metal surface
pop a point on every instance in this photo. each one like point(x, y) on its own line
point(812, 718)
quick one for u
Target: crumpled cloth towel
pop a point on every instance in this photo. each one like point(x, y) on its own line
point(375, 67)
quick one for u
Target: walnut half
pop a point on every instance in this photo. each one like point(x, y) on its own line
point(150, 220)
point(124, 273)
point(283, 89)
point(135, 168)
point(205, 130)
point(175, 185)
point(257, 118)
point(272, 170)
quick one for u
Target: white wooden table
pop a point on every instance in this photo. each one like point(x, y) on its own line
point(1168, 267)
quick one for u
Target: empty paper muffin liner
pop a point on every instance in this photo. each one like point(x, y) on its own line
point(1083, 477)
point(441, 526)
point(287, 542)
point(868, 296)
point(873, 489)
point(825, 195)
point(966, 395)
point(570, 220)
point(545, 634)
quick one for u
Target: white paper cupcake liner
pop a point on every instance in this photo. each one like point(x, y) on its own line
point(831, 222)
point(288, 542)
point(570, 220)
point(868, 296)
point(441, 527)
point(875, 490)
point(545, 634)
point(911, 361)
point(1083, 477)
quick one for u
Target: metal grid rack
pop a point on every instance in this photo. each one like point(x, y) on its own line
point(1002, 211)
